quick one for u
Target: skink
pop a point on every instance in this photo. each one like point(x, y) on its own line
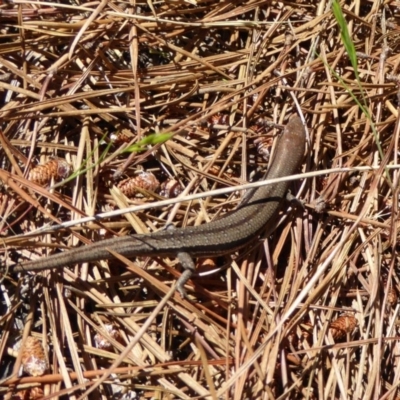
point(221, 236)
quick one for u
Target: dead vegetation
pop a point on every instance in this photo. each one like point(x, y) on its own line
point(97, 88)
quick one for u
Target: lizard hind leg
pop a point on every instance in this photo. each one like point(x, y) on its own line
point(188, 270)
point(188, 266)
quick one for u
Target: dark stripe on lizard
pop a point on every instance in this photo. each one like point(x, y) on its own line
point(253, 216)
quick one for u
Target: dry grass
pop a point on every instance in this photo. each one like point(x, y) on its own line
point(309, 314)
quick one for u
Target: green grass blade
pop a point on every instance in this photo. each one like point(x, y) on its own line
point(345, 35)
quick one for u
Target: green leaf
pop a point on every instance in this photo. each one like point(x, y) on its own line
point(149, 140)
point(345, 35)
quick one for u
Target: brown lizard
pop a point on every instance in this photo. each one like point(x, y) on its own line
point(224, 235)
